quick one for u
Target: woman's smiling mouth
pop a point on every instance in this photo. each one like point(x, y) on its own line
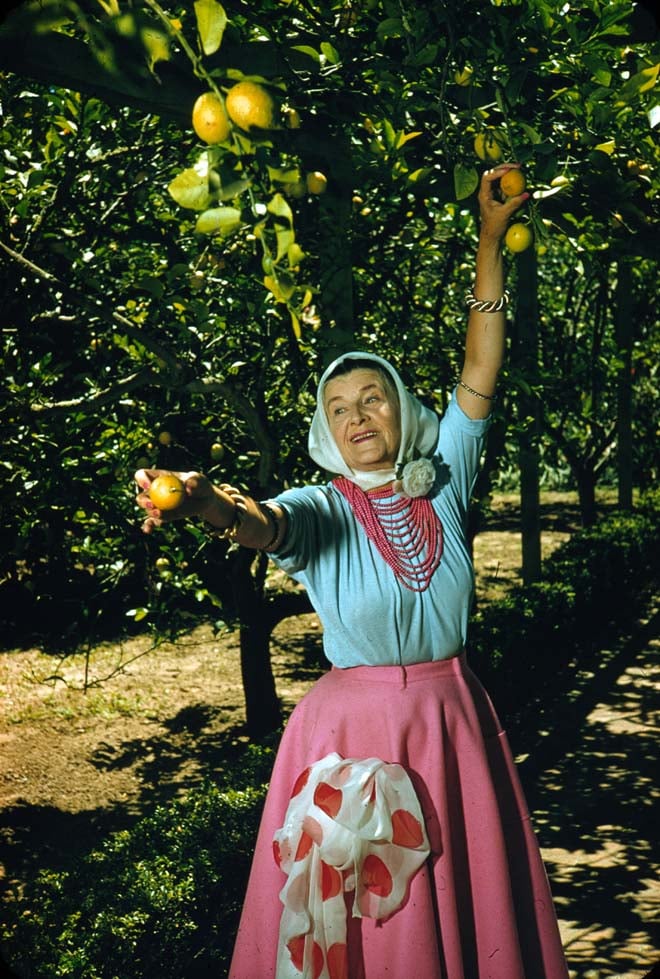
point(363, 437)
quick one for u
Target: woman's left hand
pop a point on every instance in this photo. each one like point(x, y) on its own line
point(496, 213)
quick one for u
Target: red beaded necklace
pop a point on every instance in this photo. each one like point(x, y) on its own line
point(407, 532)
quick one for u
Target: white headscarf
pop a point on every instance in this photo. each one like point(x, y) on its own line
point(419, 429)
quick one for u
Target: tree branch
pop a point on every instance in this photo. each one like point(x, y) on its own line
point(98, 306)
point(140, 378)
point(107, 396)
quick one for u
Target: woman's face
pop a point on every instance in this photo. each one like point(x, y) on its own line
point(364, 418)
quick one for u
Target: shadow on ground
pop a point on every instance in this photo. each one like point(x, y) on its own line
point(200, 743)
point(590, 774)
point(588, 761)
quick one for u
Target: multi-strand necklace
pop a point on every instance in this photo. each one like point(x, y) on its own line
point(407, 532)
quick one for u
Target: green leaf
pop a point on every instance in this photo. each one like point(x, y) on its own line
point(290, 176)
point(427, 55)
point(641, 82)
point(282, 286)
point(279, 207)
point(285, 239)
point(402, 138)
point(330, 54)
point(295, 324)
point(532, 135)
point(389, 134)
point(295, 254)
point(211, 23)
point(466, 181)
point(391, 27)
point(233, 189)
point(191, 189)
point(599, 69)
point(419, 174)
point(156, 44)
point(306, 49)
point(219, 220)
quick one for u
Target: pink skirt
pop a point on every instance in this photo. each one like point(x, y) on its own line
point(480, 907)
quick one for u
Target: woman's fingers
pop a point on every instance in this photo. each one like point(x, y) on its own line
point(150, 524)
point(495, 212)
point(198, 491)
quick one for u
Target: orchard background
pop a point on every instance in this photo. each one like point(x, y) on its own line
point(170, 303)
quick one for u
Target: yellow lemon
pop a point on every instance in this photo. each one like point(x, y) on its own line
point(488, 145)
point(518, 237)
point(250, 106)
point(209, 119)
point(167, 492)
point(512, 183)
point(317, 182)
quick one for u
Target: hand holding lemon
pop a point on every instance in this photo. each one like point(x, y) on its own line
point(501, 193)
point(167, 496)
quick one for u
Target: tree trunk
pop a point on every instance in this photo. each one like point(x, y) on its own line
point(529, 415)
point(624, 339)
point(258, 615)
point(335, 258)
point(262, 707)
point(586, 479)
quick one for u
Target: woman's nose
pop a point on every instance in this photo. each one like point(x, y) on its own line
point(358, 414)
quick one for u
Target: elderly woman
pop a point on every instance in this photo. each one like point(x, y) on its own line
point(395, 839)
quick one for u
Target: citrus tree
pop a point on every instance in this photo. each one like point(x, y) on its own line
point(202, 203)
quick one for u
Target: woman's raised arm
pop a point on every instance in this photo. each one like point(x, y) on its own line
point(484, 342)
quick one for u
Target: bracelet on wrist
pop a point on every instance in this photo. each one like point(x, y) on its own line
point(477, 394)
point(240, 510)
point(268, 511)
point(486, 305)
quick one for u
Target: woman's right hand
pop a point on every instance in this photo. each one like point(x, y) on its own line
point(202, 499)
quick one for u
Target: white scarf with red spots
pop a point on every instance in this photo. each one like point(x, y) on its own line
point(352, 825)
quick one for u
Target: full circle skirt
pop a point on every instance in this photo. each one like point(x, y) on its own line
point(480, 907)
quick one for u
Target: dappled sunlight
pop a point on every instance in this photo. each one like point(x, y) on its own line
point(593, 811)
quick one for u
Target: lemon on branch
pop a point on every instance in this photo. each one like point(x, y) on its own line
point(488, 145)
point(519, 237)
point(250, 106)
point(317, 182)
point(209, 118)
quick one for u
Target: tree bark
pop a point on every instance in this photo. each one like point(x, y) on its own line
point(624, 340)
point(586, 478)
point(335, 258)
point(262, 707)
point(529, 415)
point(258, 615)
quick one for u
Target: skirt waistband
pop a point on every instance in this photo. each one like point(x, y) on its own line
point(403, 675)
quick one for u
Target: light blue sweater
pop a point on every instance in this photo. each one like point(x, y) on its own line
point(369, 617)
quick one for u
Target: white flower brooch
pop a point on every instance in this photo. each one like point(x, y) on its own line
point(416, 478)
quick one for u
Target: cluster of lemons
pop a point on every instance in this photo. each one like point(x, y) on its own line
point(250, 107)
point(488, 145)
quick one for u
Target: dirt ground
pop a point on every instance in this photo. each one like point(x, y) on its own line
point(75, 765)
point(64, 748)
